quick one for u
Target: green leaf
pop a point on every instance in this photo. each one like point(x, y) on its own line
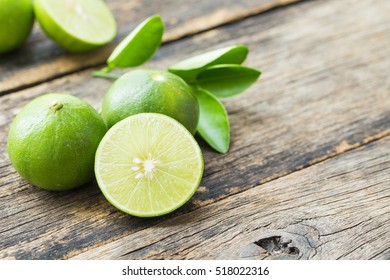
point(227, 79)
point(213, 124)
point(190, 68)
point(139, 45)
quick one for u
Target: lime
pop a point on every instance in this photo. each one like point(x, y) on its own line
point(53, 140)
point(148, 165)
point(16, 21)
point(76, 25)
point(151, 91)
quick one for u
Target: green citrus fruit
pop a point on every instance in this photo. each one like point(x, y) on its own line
point(76, 25)
point(16, 21)
point(53, 140)
point(151, 91)
point(148, 165)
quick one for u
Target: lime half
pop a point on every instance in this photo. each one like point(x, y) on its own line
point(148, 165)
point(76, 25)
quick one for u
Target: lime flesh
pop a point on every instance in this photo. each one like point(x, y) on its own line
point(76, 25)
point(148, 165)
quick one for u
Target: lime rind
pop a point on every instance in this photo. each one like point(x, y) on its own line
point(151, 91)
point(16, 22)
point(176, 176)
point(53, 139)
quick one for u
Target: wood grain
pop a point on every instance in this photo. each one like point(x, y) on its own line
point(338, 209)
point(324, 91)
point(42, 60)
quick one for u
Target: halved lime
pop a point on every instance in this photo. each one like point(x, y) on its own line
point(76, 25)
point(148, 165)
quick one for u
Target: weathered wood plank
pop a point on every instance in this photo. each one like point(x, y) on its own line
point(41, 60)
point(338, 209)
point(324, 72)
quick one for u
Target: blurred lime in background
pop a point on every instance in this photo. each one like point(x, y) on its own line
point(76, 25)
point(16, 21)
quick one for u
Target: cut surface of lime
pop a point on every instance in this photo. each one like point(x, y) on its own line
point(148, 165)
point(76, 25)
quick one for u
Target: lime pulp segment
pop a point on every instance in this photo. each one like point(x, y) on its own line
point(148, 165)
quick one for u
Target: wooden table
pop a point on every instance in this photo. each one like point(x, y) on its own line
point(307, 175)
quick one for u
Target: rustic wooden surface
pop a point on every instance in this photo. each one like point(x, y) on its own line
point(307, 173)
point(41, 60)
point(353, 225)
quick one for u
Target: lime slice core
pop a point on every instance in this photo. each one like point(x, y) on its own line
point(148, 165)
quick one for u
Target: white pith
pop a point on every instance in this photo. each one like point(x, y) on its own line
point(145, 167)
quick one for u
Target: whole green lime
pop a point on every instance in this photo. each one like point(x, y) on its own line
point(16, 21)
point(53, 139)
point(151, 91)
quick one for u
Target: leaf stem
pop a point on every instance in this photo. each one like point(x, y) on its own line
point(106, 69)
point(104, 74)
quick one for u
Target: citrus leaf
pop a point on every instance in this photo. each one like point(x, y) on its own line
point(213, 124)
point(139, 45)
point(189, 68)
point(228, 79)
